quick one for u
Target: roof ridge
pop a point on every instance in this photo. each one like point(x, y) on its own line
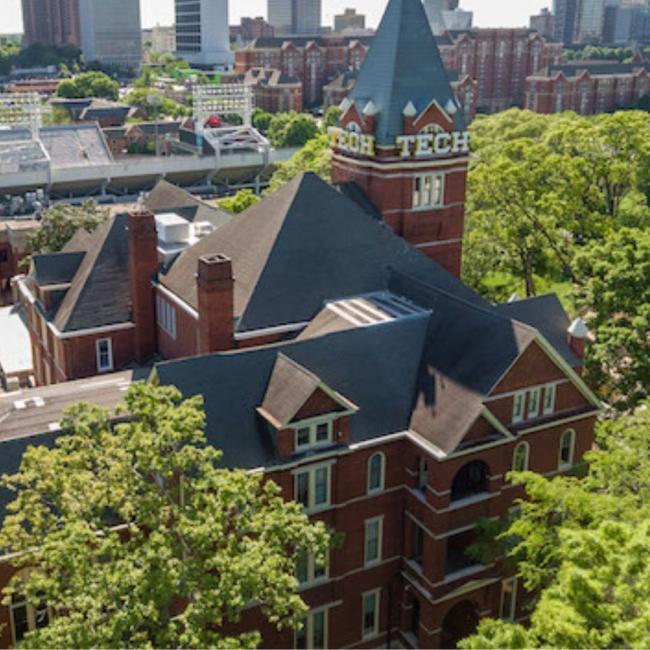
point(458, 299)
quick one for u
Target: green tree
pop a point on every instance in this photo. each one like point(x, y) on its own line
point(141, 98)
point(616, 300)
point(60, 223)
point(135, 538)
point(332, 116)
point(582, 547)
point(315, 156)
point(240, 202)
point(262, 119)
point(89, 84)
point(291, 130)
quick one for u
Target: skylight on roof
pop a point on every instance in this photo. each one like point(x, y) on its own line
point(374, 308)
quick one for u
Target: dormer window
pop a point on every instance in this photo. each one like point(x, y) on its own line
point(353, 127)
point(314, 435)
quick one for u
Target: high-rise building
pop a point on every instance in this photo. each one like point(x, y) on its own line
point(626, 22)
point(295, 16)
point(111, 32)
point(349, 19)
point(544, 23)
point(590, 20)
point(51, 22)
point(566, 14)
point(202, 32)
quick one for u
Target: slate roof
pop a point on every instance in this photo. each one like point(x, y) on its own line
point(299, 247)
point(546, 314)
point(403, 65)
point(375, 368)
point(99, 294)
point(166, 197)
point(59, 268)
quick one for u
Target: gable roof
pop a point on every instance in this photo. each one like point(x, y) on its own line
point(374, 367)
point(299, 247)
point(57, 268)
point(99, 294)
point(166, 197)
point(403, 65)
point(546, 314)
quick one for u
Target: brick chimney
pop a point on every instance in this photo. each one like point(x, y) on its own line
point(216, 298)
point(143, 264)
point(577, 336)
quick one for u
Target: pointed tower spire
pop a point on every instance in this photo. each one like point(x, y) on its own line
point(403, 64)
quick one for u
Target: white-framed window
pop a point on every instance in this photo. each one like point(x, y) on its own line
point(521, 457)
point(376, 472)
point(104, 351)
point(370, 615)
point(534, 396)
point(428, 191)
point(550, 391)
point(373, 540)
point(353, 127)
point(313, 631)
point(315, 434)
point(166, 316)
point(312, 487)
point(518, 407)
point(508, 599)
point(567, 449)
point(25, 617)
point(309, 571)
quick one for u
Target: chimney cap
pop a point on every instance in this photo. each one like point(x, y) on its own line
point(213, 259)
point(578, 329)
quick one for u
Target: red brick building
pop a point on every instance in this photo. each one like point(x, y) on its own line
point(588, 87)
point(274, 91)
point(361, 375)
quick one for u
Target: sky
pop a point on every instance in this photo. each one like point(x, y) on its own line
point(487, 13)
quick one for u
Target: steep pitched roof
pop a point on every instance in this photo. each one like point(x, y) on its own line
point(546, 314)
point(99, 294)
point(402, 66)
point(57, 268)
point(374, 367)
point(299, 247)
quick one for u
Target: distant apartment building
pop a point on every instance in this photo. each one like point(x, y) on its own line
point(348, 20)
point(590, 20)
point(588, 87)
point(544, 23)
point(202, 32)
point(626, 23)
point(274, 91)
point(161, 37)
point(111, 32)
point(299, 17)
point(251, 28)
point(51, 22)
point(498, 60)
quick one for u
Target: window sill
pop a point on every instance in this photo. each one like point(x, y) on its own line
point(318, 509)
point(463, 573)
point(306, 586)
point(468, 501)
point(372, 564)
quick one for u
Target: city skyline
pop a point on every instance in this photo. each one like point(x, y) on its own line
point(509, 13)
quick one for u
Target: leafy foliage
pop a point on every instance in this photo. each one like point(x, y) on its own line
point(315, 157)
point(583, 546)
point(60, 223)
point(38, 55)
point(262, 120)
point(89, 84)
point(332, 116)
point(291, 129)
point(164, 106)
point(241, 201)
point(135, 539)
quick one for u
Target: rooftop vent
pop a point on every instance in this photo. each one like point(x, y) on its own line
point(374, 308)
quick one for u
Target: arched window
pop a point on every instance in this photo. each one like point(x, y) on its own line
point(520, 457)
point(567, 448)
point(353, 127)
point(432, 129)
point(376, 467)
point(472, 479)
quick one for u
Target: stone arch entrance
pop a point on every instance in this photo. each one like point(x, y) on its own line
point(461, 621)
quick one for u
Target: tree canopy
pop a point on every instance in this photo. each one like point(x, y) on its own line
point(583, 547)
point(162, 105)
point(60, 223)
point(134, 538)
point(291, 129)
point(241, 201)
point(315, 157)
point(89, 84)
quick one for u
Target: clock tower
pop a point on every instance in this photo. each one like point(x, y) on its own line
point(402, 138)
